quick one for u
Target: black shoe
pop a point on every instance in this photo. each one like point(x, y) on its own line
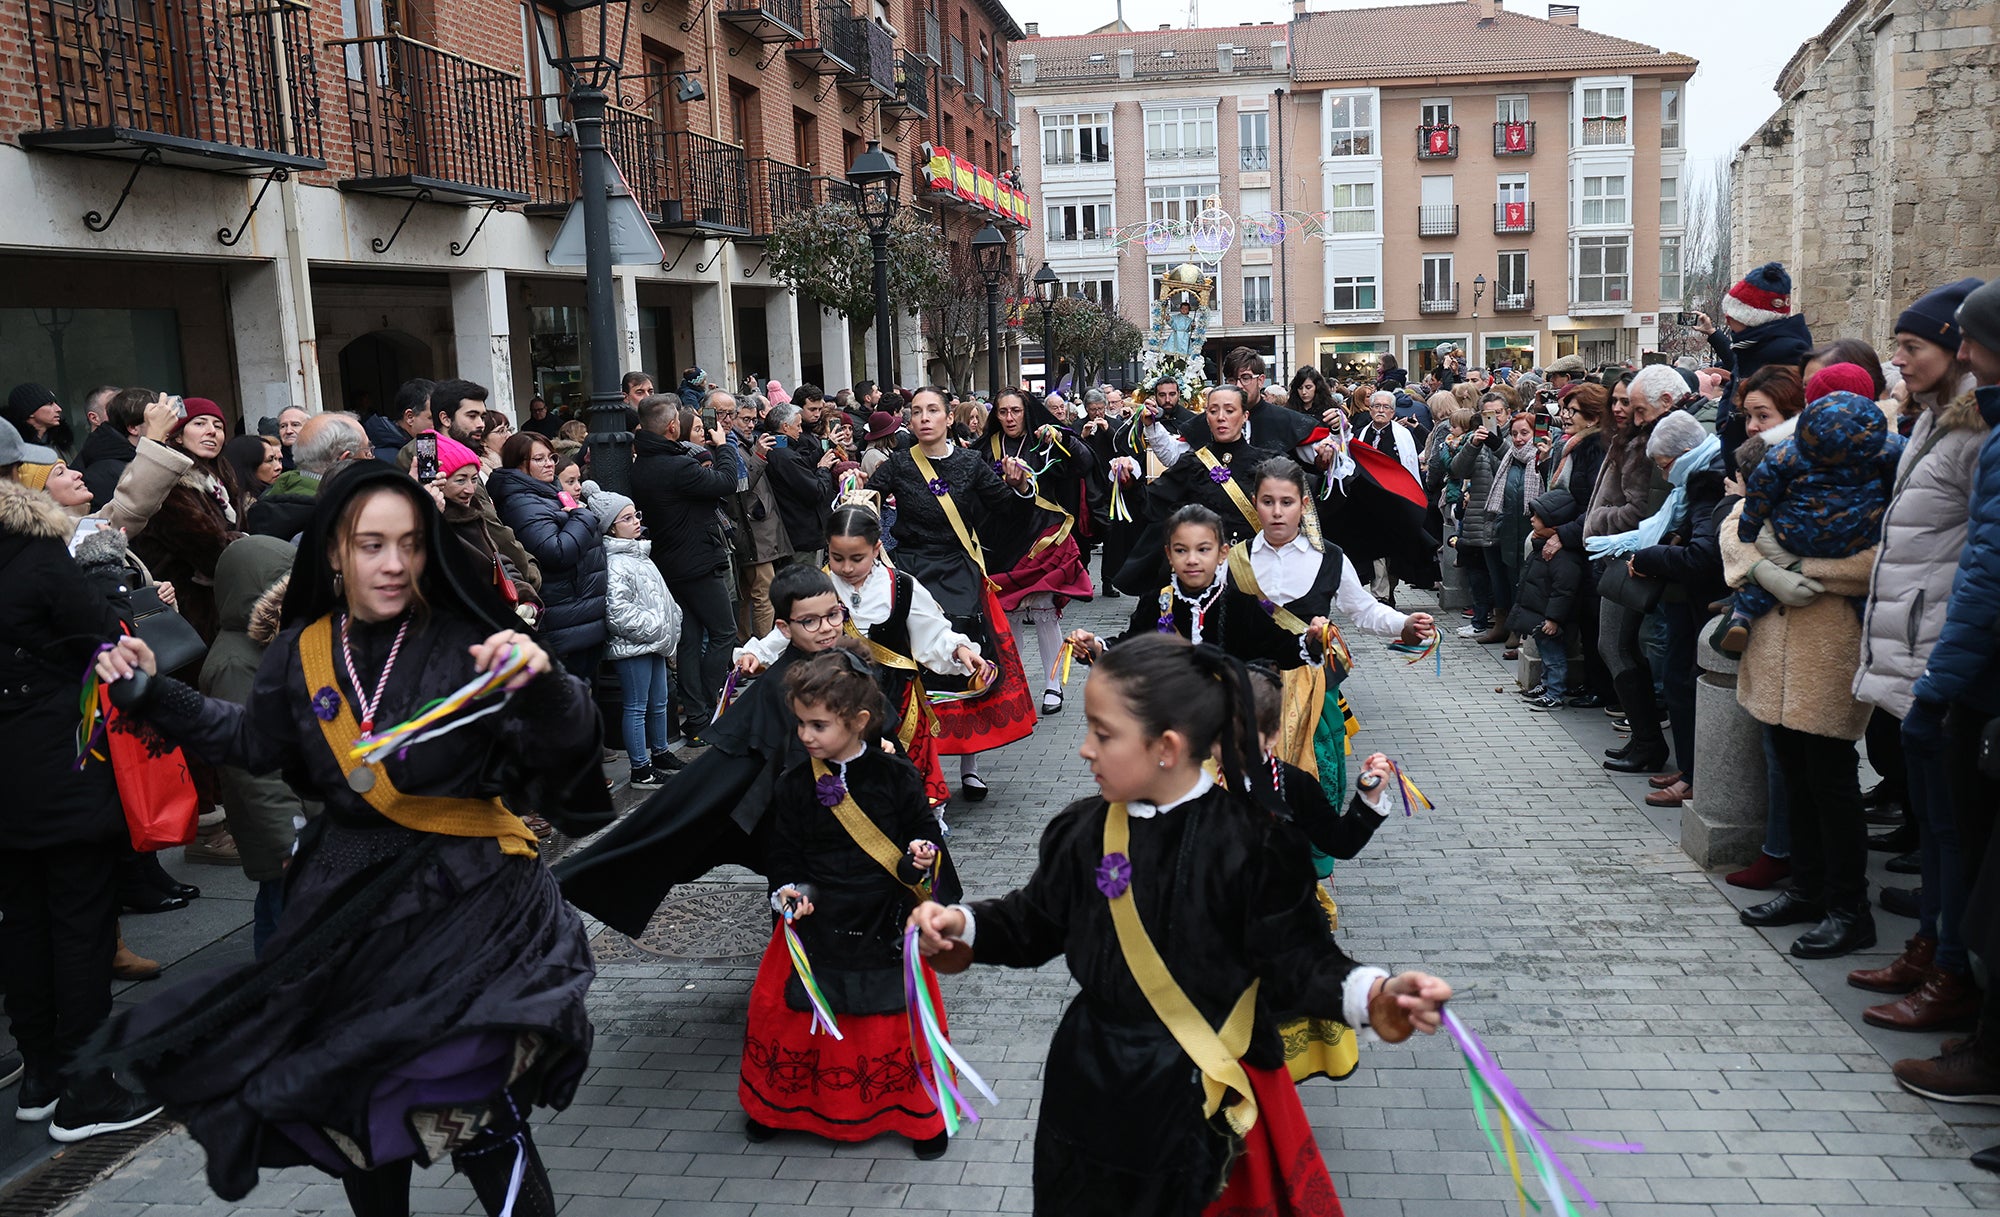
point(156, 877)
point(143, 899)
point(1545, 703)
point(37, 1100)
point(93, 1108)
point(1881, 795)
point(1902, 901)
point(757, 1133)
point(1842, 933)
point(931, 1148)
point(973, 787)
point(1652, 760)
point(667, 762)
point(648, 778)
point(1789, 908)
point(1052, 702)
point(691, 730)
point(1905, 864)
point(1532, 694)
point(1987, 1159)
point(1619, 753)
point(1884, 815)
point(1109, 592)
point(1898, 840)
point(1585, 701)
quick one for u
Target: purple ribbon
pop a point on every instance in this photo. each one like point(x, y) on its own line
point(326, 704)
point(1114, 875)
point(1166, 623)
point(939, 487)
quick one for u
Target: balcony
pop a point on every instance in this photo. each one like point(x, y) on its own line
point(1514, 297)
point(839, 45)
point(1002, 108)
point(954, 64)
point(631, 136)
point(765, 20)
point(834, 190)
point(707, 184)
point(1513, 139)
point(197, 83)
point(1604, 131)
point(1180, 154)
point(1437, 142)
point(933, 40)
point(777, 190)
point(429, 125)
point(1513, 218)
point(872, 73)
point(912, 98)
point(1433, 298)
point(1254, 158)
point(978, 86)
point(996, 103)
point(1437, 220)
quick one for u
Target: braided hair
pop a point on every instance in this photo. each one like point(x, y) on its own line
point(1200, 691)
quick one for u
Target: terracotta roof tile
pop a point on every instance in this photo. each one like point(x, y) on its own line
point(1156, 53)
point(1431, 40)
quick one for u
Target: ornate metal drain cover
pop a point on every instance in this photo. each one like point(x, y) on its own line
point(69, 1172)
point(699, 921)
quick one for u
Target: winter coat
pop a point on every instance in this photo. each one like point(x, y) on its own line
point(1693, 559)
point(187, 537)
point(1574, 467)
point(387, 437)
point(250, 582)
point(1624, 485)
point(1923, 534)
point(1823, 491)
point(1965, 664)
point(769, 542)
point(1549, 587)
point(804, 493)
point(1476, 464)
point(102, 461)
point(1798, 670)
point(53, 614)
point(571, 553)
point(678, 489)
point(640, 617)
point(691, 392)
point(493, 541)
point(1784, 341)
point(142, 487)
point(284, 507)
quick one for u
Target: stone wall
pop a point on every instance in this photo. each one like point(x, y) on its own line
point(1851, 183)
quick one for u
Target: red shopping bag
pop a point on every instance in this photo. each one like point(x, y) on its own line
point(154, 784)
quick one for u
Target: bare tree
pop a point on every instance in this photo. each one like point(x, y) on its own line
point(1704, 258)
point(955, 318)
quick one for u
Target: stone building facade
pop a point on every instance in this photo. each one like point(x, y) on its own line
point(1872, 182)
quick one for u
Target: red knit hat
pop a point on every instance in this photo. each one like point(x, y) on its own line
point(195, 407)
point(1840, 378)
point(1764, 295)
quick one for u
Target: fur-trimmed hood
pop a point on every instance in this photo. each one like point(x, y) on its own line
point(32, 513)
point(1961, 414)
point(267, 616)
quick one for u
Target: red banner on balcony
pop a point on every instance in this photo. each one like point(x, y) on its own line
point(1517, 141)
point(985, 185)
point(1004, 200)
point(938, 170)
point(1440, 141)
point(1517, 215)
point(964, 179)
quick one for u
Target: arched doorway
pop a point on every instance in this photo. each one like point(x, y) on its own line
point(373, 365)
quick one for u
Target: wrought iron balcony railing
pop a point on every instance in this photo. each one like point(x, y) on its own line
point(1437, 220)
point(872, 68)
point(1514, 139)
point(1437, 297)
point(912, 98)
point(834, 190)
point(1437, 141)
point(838, 44)
point(631, 136)
point(777, 190)
point(954, 68)
point(427, 124)
point(765, 20)
point(707, 184)
point(1513, 217)
point(1514, 297)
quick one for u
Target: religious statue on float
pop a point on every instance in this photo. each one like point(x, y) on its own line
point(1180, 309)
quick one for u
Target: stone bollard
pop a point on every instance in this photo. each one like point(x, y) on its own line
point(1723, 824)
point(1456, 593)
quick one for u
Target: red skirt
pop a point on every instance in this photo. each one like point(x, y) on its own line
point(922, 748)
point(1280, 1173)
point(849, 1089)
point(1057, 570)
point(1005, 712)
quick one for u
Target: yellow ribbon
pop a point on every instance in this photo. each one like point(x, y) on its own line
point(1236, 494)
point(871, 839)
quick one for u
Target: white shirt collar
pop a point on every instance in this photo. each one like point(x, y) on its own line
point(1141, 810)
point(1262, 544)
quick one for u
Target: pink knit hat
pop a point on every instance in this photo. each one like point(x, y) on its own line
point(452, 455)
point(776, 395)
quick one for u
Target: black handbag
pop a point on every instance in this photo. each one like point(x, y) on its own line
point(1635, 592)
point(175, 644)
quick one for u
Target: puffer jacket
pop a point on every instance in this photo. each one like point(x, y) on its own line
point(570, 551)
point(1475, 465)
point(1923, 534)
point(1550, 587)
point(1963, 665)
point(640, 616)
point(250, 581)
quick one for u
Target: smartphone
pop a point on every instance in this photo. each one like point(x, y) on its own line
point(179, 404)
point(425, 467)
point(1686, 318)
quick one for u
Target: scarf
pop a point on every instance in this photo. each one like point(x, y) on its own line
point(1531, 480)
point(1668, 517)
point(1561, 471)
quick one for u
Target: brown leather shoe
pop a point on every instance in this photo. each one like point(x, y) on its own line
point(1664, 780)
point(128, 964)
point(1496, 634)
point(1971, 1074)
point(1946, 1001)
point(1672, 795)
point(1904, 974)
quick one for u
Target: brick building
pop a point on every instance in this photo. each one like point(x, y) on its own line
point(1122, 129)
point(307, 202)
point(1439, 145)
point(1853, 184)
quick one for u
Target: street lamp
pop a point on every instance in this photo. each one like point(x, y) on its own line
point(876, 181)
point(589, 56)
point(989, 251)
point(1478, 290)
point(1045, 291)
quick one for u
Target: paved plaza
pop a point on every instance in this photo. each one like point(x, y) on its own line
point(1610, 974)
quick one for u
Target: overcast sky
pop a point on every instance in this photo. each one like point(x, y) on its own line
point(1741, 43)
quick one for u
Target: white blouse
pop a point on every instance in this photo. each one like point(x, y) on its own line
point(933, 642)
point(1288, 571)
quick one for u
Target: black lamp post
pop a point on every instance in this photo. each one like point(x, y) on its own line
point(590, 46)
point(989, 250)
point(1478, 290)
point(1045, 291)
point(877, 181)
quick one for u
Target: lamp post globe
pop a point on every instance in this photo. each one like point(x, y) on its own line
point(877, 183)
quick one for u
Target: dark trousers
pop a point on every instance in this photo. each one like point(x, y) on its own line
point(1677, 682)
point(708, 633)
point(58, 930)
point(1885, 754)
point(1503, 579)
point(1829, 830)
point(1596, 677)
point(1942, 896)
point(1975, 798)
point(1479, 579)
point(1118, 537)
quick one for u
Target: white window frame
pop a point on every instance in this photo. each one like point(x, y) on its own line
point(1054, 218)
point(1604, 242)
point(1670, 116)
point(1180, 201)
point(1073, 124)
point(1672, 280)
point(1510, 108)
point(1510, 184)
point(1435, 112)
point(1432, 280)
point(1371, 133)
point(1256, 122)
point(1254, 296)
point(1168, 128)
point(1249, 195)
point(1500, 275)
point(1355, 217)
point(1355, 285)
point(1097, 290)
point(1613, 209)
point(1670, 200)
point(1606, 91)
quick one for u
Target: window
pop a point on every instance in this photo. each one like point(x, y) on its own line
point(1255, 201)
point(1670, 202)
point(1603, 200)
point(1176, 131)
point(1076, 139)
point(544, 78)
point(1603, 270)
point(1513, 189)
point(1437, 114)
point(1253, 139)
point(1182, 202)
point(1078, 220)
point(1352, 360)
point(805, 136)
point(1351, 123)
point(1511, 109)
point(1604, 115)
point(1353, 293)
point(1438, 285)
point(1257, 298)
point(1670, 118)
point(1510, 286)
point(1350, 207)
point(1670, 271)
point(1097, 291)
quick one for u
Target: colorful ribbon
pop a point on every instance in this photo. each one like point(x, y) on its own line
point(928, 1042)
point(728, 692)
point(1412, 797)
point(822, 1013)
point(90, 712)
point(1119, 512)
point(426, 724)
point(1059, 670)
point(1490, 1083)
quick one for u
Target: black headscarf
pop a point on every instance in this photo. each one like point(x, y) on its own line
point(452, 580)
point(1034, 415)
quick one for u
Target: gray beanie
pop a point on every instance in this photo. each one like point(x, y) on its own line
point(1676, 434)
point(1979, 316)
point(604, 504)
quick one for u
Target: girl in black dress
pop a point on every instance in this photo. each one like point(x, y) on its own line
point(1167, 891)
point(1190, 603)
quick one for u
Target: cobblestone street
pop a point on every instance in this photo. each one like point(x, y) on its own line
point(1609, 972)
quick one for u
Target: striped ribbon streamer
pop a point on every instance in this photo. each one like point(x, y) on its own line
point(928, 1042)
point(90, 712)
point(1059, 670)
point(822, 1013)
point(728, 692)
point(1119, 511)
point(426, 724)
point(1412, 797)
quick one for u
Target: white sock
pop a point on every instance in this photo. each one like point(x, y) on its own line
point(1048, 633)
point(968, 766)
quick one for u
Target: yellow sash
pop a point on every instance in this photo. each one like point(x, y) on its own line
point(1245, 577)
point(1218, 1054)
point(444, 815)
point(920, 702)
point(930, 475)
point(871, 839)
point(1236, 494)
point(1055, 536)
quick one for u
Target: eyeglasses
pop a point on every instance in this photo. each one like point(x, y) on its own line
point(835, 618)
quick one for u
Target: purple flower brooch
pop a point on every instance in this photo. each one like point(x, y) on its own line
point(1114, 875)
point(829, 790)
point(940, 487)
point(326, 704)
point(1218, 475)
